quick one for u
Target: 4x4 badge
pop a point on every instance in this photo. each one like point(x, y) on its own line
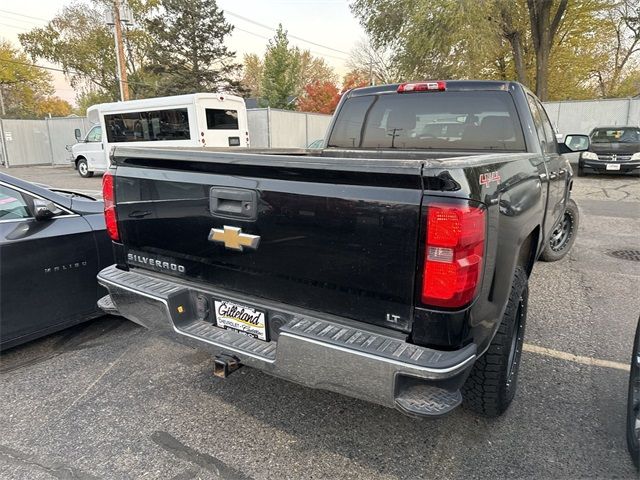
point(233, 238)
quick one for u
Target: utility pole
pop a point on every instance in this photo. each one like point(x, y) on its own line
point(122, 63)
point(2, 102)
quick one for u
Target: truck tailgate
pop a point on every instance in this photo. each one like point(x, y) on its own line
point(336, 235)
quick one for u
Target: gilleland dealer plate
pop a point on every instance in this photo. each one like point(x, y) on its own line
point(241, 318)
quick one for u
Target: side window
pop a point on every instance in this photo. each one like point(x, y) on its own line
point(551, 145)
point(537, 120)
point(13, 204)
point(95, 135)
point(221, 119)
point(148, 126)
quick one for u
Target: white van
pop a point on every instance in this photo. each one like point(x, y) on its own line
point(196, 120)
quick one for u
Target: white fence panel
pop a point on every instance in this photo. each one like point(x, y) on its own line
point(62, 133)
point(317, 126)
point(26, 142)
point(258, 120)
point(584, 116)
point(288, 129)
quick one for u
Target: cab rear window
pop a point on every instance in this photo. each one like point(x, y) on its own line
point(478, 120)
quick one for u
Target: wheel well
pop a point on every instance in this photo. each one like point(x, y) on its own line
point(80, 157)
point(529, 250)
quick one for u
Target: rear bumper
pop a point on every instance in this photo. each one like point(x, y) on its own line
point(600, 166)
point(335, 354)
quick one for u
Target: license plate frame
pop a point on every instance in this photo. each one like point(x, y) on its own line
point(243, 319)
point(613, 166)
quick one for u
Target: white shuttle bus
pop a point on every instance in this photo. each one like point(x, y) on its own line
point(196, 120)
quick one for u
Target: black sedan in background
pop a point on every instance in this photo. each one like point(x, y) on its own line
point(612, 150)
point(52, 245)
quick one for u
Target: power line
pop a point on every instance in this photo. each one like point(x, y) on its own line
point(23, 15)
point(21, 20)
point(288, 34)
point(17, 27)
point(269, 38)
point(75, 72)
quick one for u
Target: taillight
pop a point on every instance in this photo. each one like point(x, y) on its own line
point(453, 255)
point(110, 216)
point(422, 87)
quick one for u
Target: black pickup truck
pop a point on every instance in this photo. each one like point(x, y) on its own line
point(391, 266)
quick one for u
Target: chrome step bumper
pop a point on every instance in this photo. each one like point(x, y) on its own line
point(333, 354)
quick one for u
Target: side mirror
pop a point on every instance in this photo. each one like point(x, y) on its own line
point(44, 210)
point(575, 143)
point(78, 134)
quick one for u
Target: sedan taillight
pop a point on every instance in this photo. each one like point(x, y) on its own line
point(110, 216)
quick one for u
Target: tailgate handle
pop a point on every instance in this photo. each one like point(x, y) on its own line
point(236, 203)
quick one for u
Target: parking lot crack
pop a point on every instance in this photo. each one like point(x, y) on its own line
point(204, 460)
point(95, 382)
point(56, 470)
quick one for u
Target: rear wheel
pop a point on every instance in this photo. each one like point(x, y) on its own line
point(563, 235)
point(633, 406)
point(492, 382)
point(83, 168)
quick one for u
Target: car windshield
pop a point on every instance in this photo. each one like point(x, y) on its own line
point(478, 120)
point(621, 135)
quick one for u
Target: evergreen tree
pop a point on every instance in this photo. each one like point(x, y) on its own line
point(189, 53)
point(281, 72)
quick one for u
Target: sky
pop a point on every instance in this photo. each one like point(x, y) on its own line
point(326, 27)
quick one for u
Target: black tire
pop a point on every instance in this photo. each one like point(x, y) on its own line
point(581, 171)
point(492, 382)
point(83, 168)
point(564, 235)
point(633, 403)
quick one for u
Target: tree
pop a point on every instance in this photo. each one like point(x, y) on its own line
point(281, 76)
point(544, 27)
point(619, 48)
point(309, 70)
point(79, 40)
point(375, 63)
point(52, 106)
point(312, 69)
point(21, 84)
point(353, 79)
point(87, 97)
point(533, 41)
point(188, 51)
point(320, 97)
point(252, 71)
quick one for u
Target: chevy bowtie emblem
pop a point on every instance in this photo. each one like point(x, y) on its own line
point(233, 238)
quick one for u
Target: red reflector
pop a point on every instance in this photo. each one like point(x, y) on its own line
point(454, 254)
point(110, 216)
point(422, 87)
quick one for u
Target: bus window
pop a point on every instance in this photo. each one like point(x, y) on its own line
point(148, 126)
point(221, 119)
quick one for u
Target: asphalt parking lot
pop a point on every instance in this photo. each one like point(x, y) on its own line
point(107, 399)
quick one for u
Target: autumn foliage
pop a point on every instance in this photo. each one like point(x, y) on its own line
point(323, 96)
point(320, 97)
